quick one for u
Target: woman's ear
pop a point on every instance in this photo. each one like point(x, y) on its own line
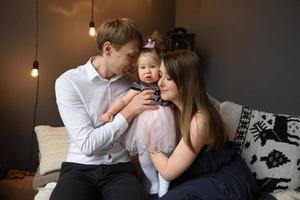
point(107, 47)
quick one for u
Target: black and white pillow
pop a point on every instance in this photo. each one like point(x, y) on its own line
point(269, 143)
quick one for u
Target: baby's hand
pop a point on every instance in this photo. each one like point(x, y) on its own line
point(107, 117)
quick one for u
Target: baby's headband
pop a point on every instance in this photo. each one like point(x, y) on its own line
point(149, 44)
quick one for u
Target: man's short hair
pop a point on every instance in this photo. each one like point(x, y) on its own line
point(118, 32)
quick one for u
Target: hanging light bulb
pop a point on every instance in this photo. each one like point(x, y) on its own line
point(34, 73)
point(35, 65)
point(92, 30)
point(35, 69)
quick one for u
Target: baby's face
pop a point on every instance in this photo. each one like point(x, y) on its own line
point(148, 68)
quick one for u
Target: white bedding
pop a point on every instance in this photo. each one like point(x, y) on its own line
point(287, 195)
point(45, 192)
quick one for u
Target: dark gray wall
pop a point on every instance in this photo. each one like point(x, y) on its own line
point(63, 44)
point(251, 50)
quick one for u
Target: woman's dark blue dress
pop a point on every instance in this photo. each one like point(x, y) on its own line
point(215, 174)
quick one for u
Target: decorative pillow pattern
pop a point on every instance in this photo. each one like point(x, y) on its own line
point(269, 144)
point(53, 145)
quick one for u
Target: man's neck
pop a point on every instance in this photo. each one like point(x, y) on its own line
point(100, 65)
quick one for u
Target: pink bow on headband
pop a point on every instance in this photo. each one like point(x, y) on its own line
point(149, 44)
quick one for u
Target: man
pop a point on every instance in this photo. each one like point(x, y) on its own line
point(97, 165)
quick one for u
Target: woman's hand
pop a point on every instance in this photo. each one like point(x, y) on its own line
point(141, 102)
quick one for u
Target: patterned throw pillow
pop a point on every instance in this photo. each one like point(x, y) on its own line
point(269, 143)
point(53, 145)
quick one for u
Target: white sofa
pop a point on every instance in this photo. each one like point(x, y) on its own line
point(269, 143)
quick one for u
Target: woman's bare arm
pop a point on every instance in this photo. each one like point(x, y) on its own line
point(182, 157)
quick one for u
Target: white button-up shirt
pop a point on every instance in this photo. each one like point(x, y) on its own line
point(82, 95)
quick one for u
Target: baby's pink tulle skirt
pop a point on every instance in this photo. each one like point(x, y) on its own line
point(152, 130)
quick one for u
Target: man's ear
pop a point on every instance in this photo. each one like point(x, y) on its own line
point(107, 48)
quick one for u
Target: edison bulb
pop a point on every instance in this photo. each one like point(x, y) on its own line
point(34, 72)
point(92, 31)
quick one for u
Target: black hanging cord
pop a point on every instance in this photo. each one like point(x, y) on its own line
point(36, 28)
point(33, 125)
point(35, 66)
point(92, 10)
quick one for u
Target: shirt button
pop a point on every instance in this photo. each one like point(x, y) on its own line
point(109, 156)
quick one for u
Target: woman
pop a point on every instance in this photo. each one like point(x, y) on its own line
point(203, 165)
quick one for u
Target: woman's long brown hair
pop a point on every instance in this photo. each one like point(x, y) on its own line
point(185, 69)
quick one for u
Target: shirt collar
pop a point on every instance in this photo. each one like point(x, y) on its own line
point(93, 73)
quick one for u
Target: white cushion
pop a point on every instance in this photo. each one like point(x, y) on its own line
point(53, 144)
point(231, 114)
